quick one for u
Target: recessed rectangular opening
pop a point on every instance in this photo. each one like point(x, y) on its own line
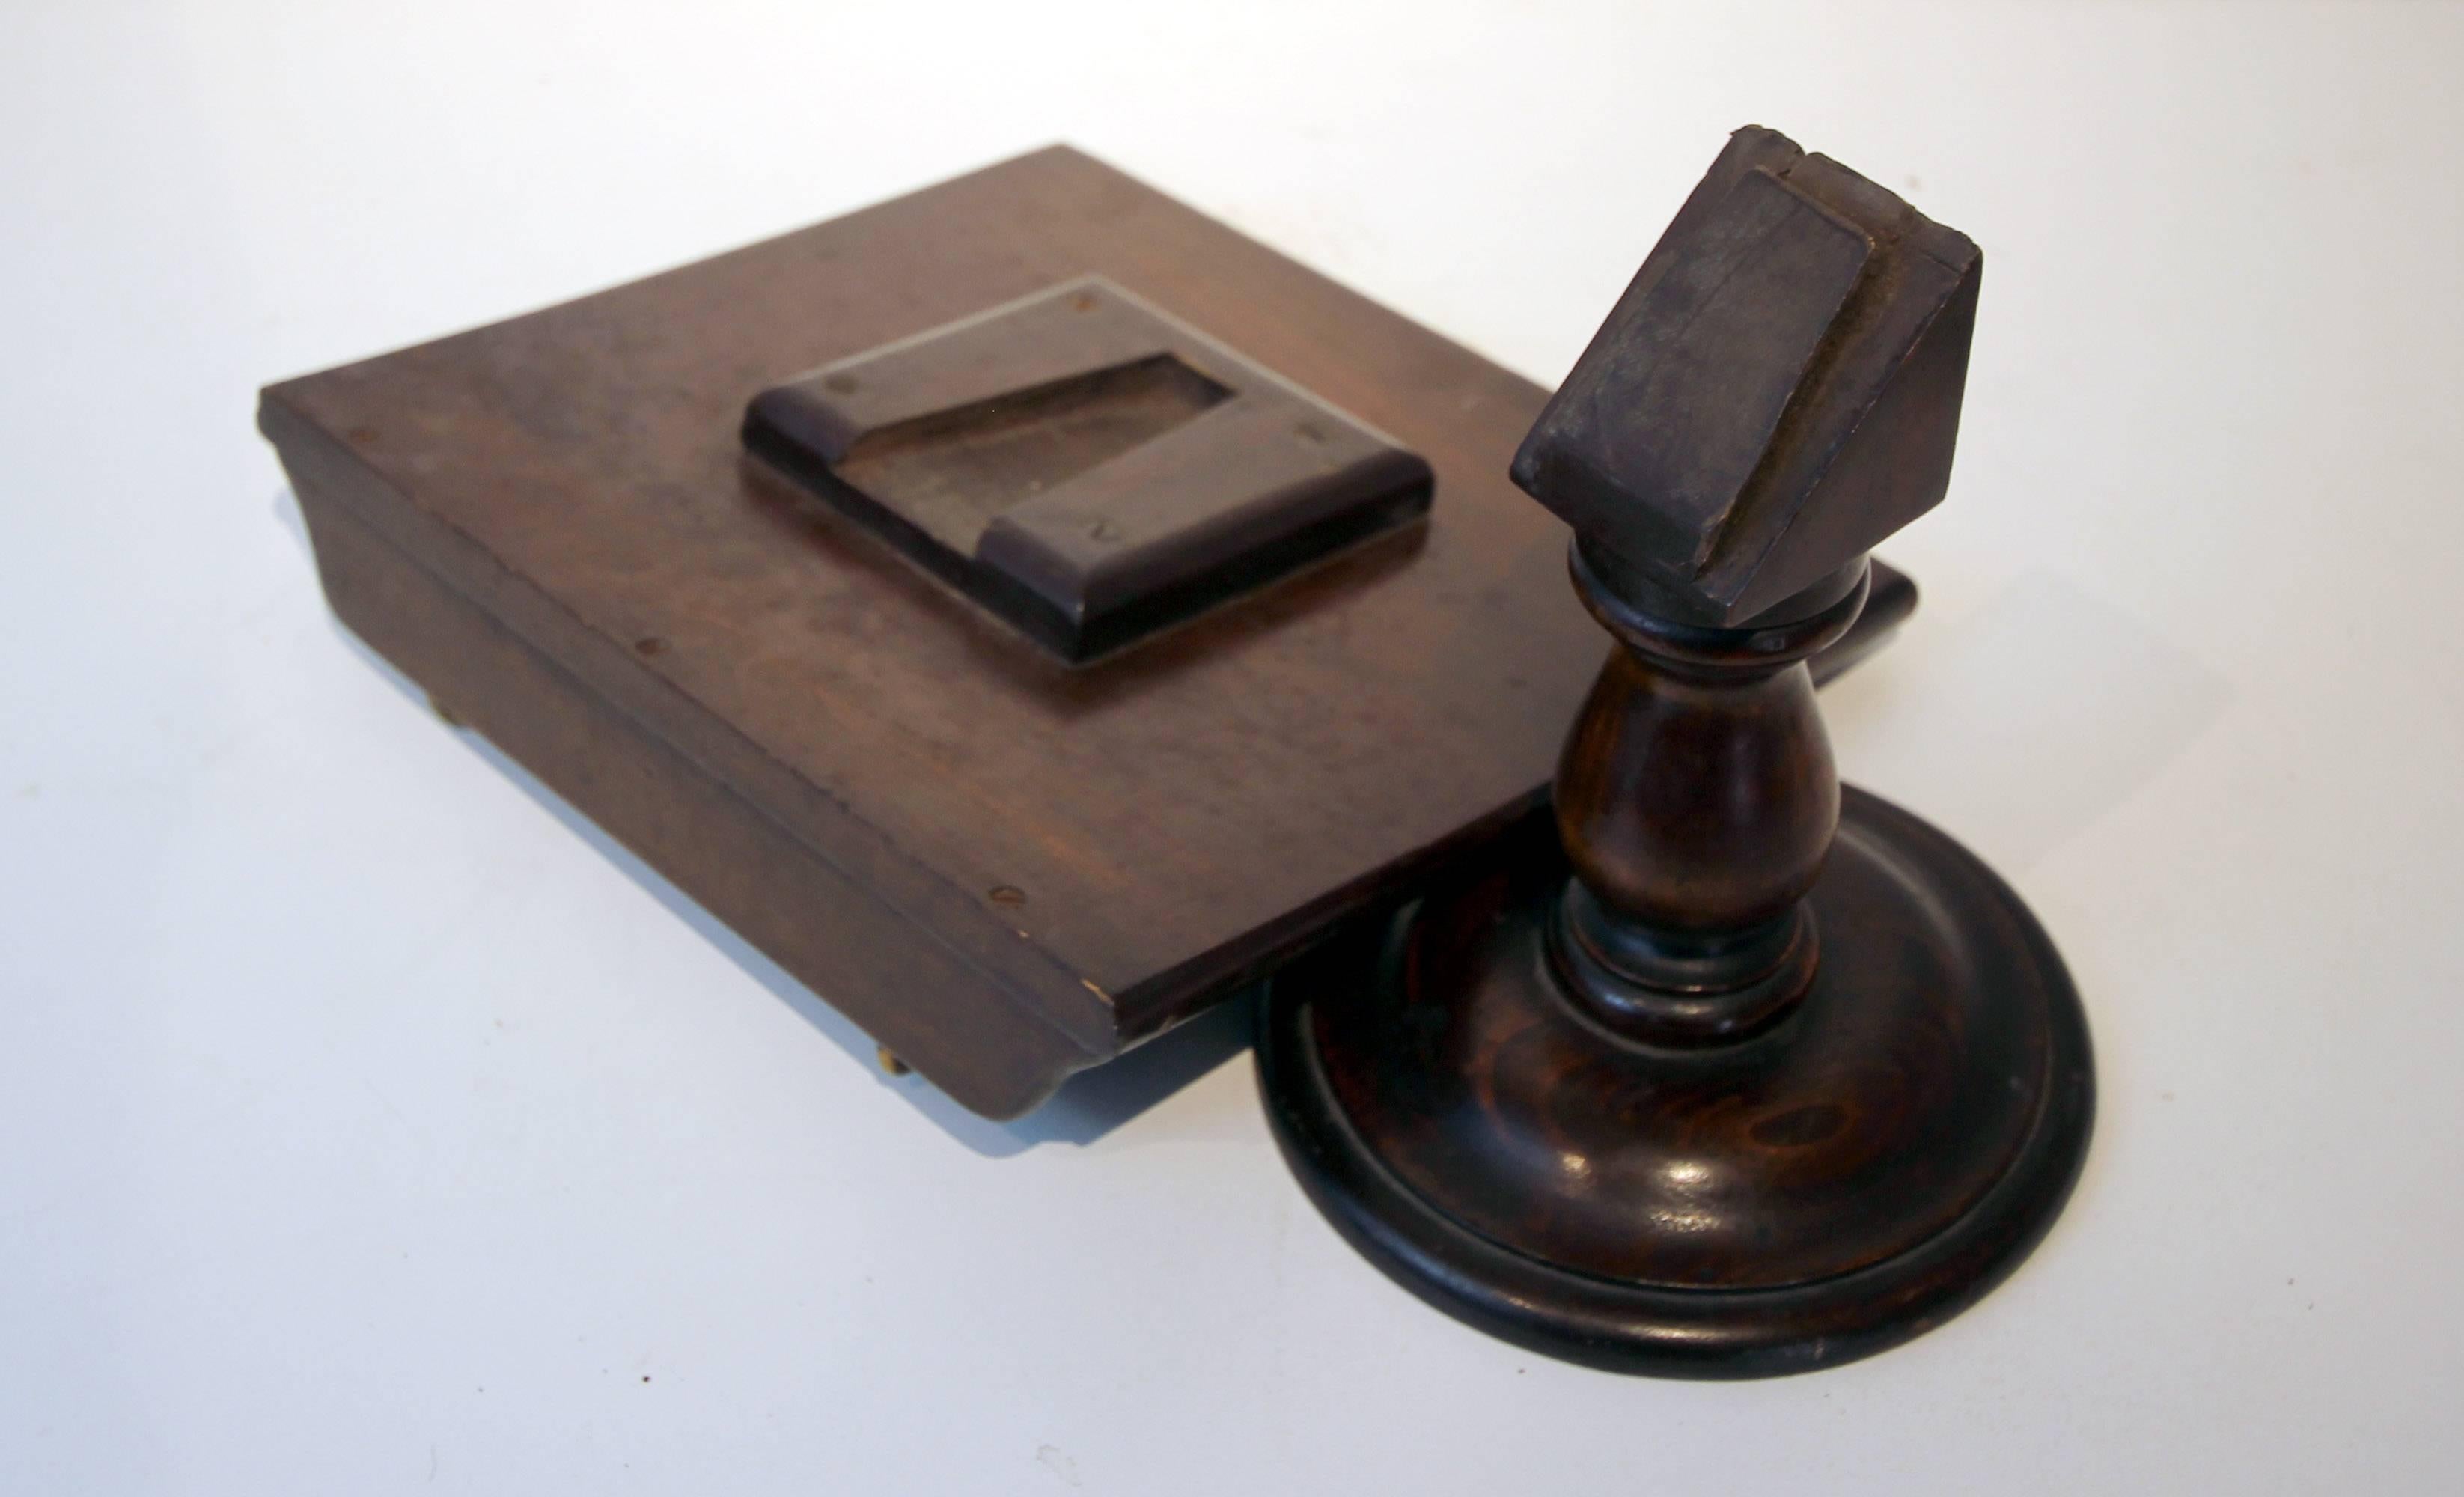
point(952, 473)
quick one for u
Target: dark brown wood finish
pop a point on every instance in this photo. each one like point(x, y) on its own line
point(1734, 1076)
point(1085, 466)
point(1799, 341)
point(1004, 868)
point(1854, 1175)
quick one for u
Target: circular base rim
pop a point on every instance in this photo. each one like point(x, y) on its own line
point(1653, 1330)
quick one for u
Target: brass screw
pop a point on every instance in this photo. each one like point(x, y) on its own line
point(889, 1062)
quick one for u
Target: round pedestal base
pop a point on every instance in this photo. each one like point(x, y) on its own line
point(1851, 1176)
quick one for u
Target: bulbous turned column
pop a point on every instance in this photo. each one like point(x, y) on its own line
point(1696, 800)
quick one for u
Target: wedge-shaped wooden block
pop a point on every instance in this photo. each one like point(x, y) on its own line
point(1779, 385)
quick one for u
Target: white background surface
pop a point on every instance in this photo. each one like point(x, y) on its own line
point(365, 1129)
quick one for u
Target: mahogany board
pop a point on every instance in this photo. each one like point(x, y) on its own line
point(1002, 867)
